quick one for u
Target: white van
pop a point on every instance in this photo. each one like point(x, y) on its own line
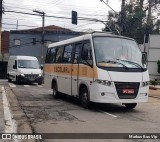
point(24, 69)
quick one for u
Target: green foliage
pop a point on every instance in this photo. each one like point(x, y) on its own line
point(154, 82)
point(136, 20)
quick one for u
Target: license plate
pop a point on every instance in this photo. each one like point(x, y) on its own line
point(128, 91)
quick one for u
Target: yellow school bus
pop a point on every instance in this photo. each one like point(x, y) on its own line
point(98, 67)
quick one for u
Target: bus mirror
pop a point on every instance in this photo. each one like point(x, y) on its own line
point(144, 57)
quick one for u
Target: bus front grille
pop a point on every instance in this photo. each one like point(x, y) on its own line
point(127, 90)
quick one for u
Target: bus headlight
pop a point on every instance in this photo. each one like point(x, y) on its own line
point(145, 83)
point(104, 82)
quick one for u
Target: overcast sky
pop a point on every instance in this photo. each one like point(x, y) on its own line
point(85, 8)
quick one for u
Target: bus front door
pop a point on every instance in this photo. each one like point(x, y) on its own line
point(75, 69)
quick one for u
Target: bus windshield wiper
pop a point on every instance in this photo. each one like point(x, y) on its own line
point(114, 62)
point(136, 64)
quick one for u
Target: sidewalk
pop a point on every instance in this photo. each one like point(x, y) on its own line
point(154, 91)
point(1, 113)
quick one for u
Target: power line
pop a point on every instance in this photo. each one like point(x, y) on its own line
point(60, 17)
point(18, 25)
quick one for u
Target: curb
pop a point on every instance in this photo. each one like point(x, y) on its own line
point(154, 97)
point(2, 122)
point(153, 88)
point(10, 123)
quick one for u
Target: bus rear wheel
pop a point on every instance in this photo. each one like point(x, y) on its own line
point(55, 92)
point(130, 106)
point(84, 98)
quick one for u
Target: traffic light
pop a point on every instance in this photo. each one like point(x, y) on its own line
point(74, 17)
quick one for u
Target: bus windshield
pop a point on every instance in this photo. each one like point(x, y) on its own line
point(117, 52)
point(33, 64)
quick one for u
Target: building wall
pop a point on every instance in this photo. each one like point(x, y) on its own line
point(5, 42)
point(153, 56)
point(27, 47)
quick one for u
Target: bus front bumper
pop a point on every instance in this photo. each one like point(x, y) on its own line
point(110, 95)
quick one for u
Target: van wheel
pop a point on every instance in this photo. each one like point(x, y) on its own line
point(130, 106)
point(9, 80)
point(84, 98)
point(17, 81)
point(55, 92)
point(40, 83)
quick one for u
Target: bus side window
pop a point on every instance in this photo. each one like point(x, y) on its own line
point(59, 54)
point(67, 54)
point(78, 48)
point(48, 56)
point(87, 52)
point(53, 54)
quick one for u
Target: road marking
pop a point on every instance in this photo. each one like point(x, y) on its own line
point(11, 85)
point(50, 90)
point(26, 85)
point(3, 80)
point(39, 86)
point(108, 114)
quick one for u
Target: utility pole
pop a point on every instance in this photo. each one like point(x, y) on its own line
point(17, 26)
point(149, 13)
point(42, 14)
point(1, 11)
point(123, 16)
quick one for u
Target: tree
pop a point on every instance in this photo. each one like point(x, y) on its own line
point(137, 19)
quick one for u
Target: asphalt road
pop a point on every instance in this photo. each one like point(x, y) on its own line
point(65, 115)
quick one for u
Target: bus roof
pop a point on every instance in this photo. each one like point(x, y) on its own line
point(86, 36)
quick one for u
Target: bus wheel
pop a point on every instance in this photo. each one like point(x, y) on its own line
point(55, 92)
point(84, 98)
point(130, 106)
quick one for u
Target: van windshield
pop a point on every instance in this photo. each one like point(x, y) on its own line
point(33, 64)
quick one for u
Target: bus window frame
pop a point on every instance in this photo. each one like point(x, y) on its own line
point(75, 51)
point(62, 54)
point(71, 53)
point(84, 42)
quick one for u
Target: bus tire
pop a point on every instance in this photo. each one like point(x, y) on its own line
point(84, 97)
point(130, 106)
point(39, 83)
point(55, 91)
